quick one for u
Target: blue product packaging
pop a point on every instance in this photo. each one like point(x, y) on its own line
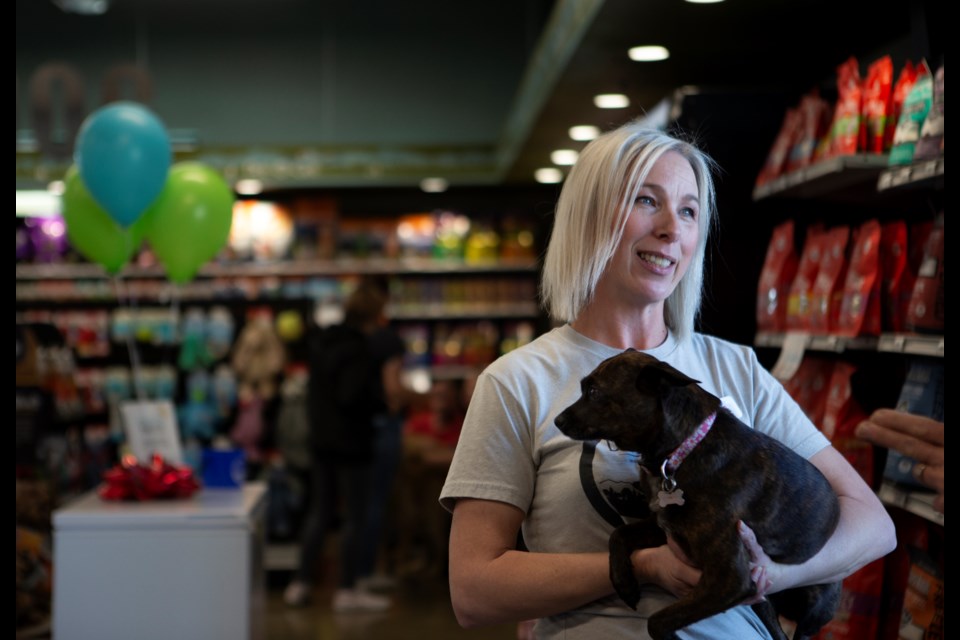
point(922, 394)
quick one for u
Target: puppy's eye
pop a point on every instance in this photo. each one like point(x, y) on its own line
point(593, 393)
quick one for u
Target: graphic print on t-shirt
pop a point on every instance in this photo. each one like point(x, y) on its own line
point(611, 481)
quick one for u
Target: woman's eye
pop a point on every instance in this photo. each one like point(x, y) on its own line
point(687, 212)
point(646, 201)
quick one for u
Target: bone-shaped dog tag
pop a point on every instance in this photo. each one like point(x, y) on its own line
point(665, 498)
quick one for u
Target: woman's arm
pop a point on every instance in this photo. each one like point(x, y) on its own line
point(492, 582)
point(864, 533)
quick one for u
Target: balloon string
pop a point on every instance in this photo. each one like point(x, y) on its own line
point(131, 343)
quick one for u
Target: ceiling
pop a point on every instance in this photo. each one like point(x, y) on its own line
point(484, 91)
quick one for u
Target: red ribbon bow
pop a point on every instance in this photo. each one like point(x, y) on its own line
point(131, 480)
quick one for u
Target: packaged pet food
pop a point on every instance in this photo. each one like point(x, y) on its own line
point(809, 385)
point(877, 104)
point(813, 125)
point(798, 300)
point(922, 616)
point(908, 75)
point(779, 270)
point(930, 145)
point(776, 162)
point(828, 287)
point(921, 394)
point(860, 306)
point(925, 311)
point(845, 129)
point(896, 283)
point(915, 109)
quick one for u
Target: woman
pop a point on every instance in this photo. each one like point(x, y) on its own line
point(624, 268)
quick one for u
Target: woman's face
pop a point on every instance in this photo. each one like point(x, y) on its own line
point(661, 233)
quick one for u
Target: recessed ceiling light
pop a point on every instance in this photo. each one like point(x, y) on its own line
point(548, 175)
point(584, 132)
point(648, 53)
point(611, 101)
point(564, 157)
point(248, 187)
point(433, 185)
point(704, 1)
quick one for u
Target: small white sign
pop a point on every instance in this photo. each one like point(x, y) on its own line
point(791, 355)
point(151, 427)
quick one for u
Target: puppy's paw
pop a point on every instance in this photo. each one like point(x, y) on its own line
point(625, 583)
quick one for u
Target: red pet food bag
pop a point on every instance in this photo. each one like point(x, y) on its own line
point(925, 309)
point(801, 290)
point(877, 105)
point(776, 162)
point(828, 287)
point(779, 269)
point(860, 307)
point(845, 129)
point(895, 276)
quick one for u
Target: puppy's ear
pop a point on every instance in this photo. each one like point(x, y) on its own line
point(671, 376)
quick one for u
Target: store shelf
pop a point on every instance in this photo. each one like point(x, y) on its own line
point(472, 311)
point(916, 502)
point(291, 268)
point(911, 343)
point(920, 175)
point(833, 344)
point(826, 177)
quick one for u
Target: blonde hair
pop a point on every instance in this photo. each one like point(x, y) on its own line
point(592, 211)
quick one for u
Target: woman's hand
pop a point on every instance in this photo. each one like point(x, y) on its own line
point(914, 436)
point(761, 566)
point(666, 566)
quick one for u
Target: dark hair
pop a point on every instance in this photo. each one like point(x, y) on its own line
point(365, 306)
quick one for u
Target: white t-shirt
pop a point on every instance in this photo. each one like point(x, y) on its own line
point(574, 493)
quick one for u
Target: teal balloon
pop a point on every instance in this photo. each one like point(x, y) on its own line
point(123, 154)
point(91, 230)
point(190, 221)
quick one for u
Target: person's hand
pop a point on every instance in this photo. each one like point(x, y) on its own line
point(762, 567)
point(915, 436)
point(525, 629)
point(668, 567)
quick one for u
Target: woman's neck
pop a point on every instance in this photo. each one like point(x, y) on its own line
point(640, 330)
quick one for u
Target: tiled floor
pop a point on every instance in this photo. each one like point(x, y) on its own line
point(420, 611)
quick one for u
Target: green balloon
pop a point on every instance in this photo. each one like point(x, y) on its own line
point(190, 221)
point(92, 231)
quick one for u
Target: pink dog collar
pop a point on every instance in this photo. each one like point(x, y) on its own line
point(672, 463)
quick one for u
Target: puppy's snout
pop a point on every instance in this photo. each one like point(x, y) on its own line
point(560, 420)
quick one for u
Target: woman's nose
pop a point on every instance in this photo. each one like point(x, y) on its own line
point(667, 224)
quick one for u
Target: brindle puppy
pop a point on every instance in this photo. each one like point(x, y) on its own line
point(734, 473)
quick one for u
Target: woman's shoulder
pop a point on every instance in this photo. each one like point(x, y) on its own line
point(545, 355)
point(715, 346)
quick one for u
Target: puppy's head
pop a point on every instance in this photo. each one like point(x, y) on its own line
point(631, 399)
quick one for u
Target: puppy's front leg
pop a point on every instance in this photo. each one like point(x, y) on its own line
point(623, 541)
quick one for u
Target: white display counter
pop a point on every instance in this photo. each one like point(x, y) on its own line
point(187, 569)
